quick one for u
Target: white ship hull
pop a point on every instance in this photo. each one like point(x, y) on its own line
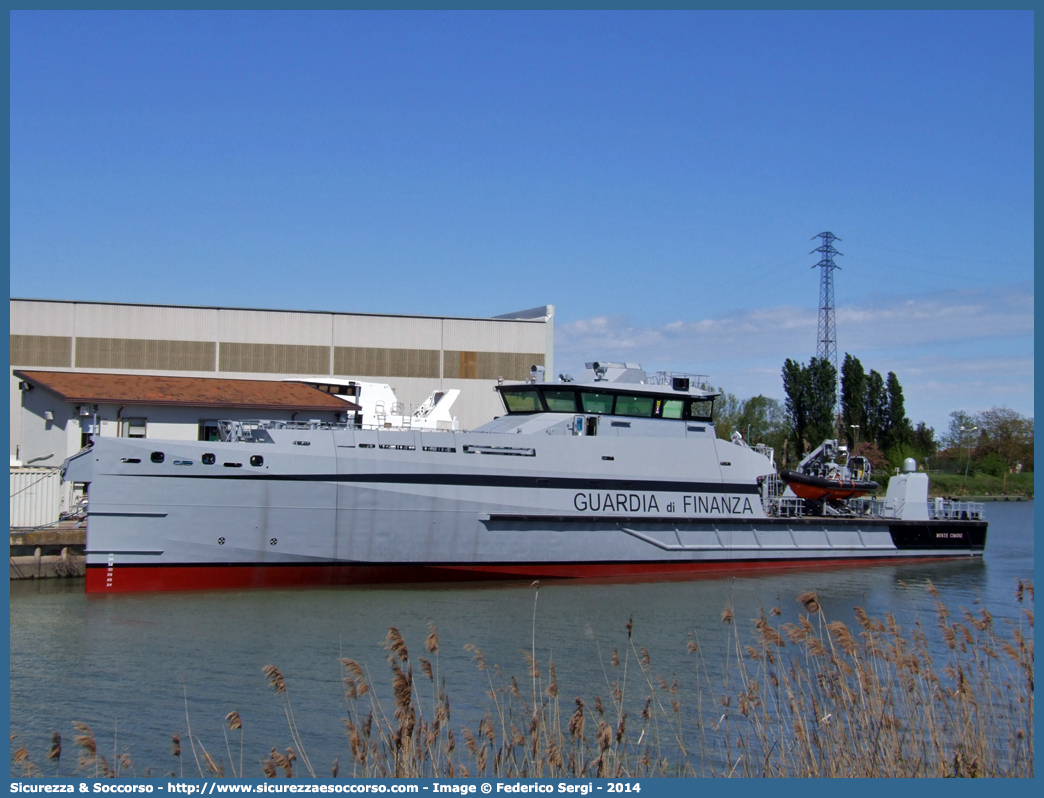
point(338, 506)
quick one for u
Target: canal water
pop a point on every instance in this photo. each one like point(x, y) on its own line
point(130, 665)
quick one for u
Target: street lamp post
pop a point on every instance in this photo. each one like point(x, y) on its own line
point(967, 464)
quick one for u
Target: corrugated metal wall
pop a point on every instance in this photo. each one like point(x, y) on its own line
point(36, 496)
point(144, 353)
point(275, 327)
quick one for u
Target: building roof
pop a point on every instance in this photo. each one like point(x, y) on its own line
point(143, 389)
point(538, 314)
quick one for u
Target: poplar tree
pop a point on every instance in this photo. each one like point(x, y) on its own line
point(796, 405)
point(875, 408)
point(897, 431)
point(810, 401)
point(853, 399)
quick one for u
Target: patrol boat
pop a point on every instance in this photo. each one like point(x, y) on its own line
point(819, 477)
point(618, 475)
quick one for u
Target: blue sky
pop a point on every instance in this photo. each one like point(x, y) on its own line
point(655, 176)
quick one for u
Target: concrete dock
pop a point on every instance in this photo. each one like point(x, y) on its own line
point(53, 552)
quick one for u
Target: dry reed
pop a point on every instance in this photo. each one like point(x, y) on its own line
point(813, 698)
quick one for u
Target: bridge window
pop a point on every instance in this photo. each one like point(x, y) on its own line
point(701, 409)
point(641, 406)
point(597, 402)
point(672, 408)
point(560, 401)
point(522, 401)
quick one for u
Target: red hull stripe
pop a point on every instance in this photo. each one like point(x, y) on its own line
point(130, 578)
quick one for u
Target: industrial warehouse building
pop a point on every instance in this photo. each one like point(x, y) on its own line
point(414, 354)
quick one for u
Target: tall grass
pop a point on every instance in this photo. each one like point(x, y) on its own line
point(882, 701)
point(812, 698)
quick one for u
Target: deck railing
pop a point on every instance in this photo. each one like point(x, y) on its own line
point(948, 509)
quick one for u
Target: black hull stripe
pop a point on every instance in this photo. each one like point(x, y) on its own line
point(128, 515)
point(900, 558)
point(487, 481)
point(767, 522)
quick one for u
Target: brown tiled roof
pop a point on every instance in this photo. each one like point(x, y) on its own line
point(141, 389)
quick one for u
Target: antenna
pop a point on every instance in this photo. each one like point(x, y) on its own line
point(826, 335)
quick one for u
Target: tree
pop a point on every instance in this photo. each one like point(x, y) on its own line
point(796, 405)
point(763, 420)
point(822, 396)
point(878, 461)
point(727, 410)
point(853, 399)
point(999, 431)
point(875, 409)
point(955, 437)
point(923, 440)
point(761, 416)
point(1007, 435)
point(758, 419)
point(810, 401)
point(895, 430)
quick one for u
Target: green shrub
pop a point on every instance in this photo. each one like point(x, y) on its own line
point(993, 464)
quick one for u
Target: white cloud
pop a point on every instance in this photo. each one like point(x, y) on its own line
point(950, 349)
point(788, 331)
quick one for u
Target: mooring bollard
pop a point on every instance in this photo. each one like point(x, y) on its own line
point(37, 563)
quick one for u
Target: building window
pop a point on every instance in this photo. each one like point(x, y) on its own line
point(132, 427)
point(209, 431)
